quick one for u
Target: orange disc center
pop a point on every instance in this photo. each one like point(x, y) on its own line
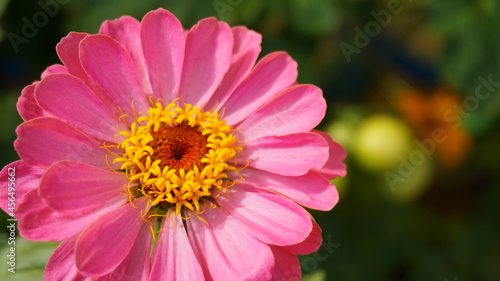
point(178, 147)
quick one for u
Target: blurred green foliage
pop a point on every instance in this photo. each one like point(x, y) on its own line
point(439, 222)
point(31, 258)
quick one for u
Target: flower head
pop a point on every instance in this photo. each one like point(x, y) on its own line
point(156, 153)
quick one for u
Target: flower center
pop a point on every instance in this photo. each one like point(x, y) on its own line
point(178, 157)
point(179, 147)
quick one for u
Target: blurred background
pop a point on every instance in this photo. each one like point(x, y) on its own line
point(413, 94)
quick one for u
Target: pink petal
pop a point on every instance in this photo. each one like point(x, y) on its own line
point(68, 51)
point(272, 74)
point(310, 244)
point(246, 49)
point(209, 46)
point(136, 266)
point(297, 109)
point(289, 155)
point(271, 218)
point(127, 31)
point(107, 241)
point(38, 222)
point(310, 190)
point(109, 65)
point(53, 69)
point(27, 106)
point(334, 167)
point(16, 179)
point(44, 141)
point(70, 99)
point(286, 266)
point(61, 265)
point(71, 187)
point(173, 258)
point(228, 251)
point(163, 42)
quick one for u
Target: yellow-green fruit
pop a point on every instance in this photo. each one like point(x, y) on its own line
point(379, 141)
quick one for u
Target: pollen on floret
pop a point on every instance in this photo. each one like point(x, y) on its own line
point(179, 157)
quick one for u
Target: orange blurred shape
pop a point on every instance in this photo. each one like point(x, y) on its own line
point(426, 114)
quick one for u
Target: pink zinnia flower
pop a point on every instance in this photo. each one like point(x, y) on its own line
point(156, 153)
